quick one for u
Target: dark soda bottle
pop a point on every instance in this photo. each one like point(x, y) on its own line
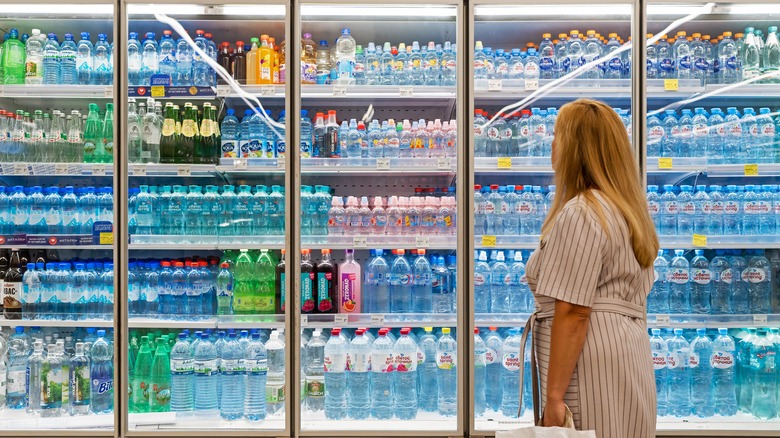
point(327, 284)
point(239, 62)
point(225, 59)
point(12, 288)
point(308, 298)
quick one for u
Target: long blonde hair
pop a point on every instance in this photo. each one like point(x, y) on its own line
point(592, 152)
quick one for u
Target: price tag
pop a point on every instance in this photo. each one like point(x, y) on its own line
point(98, 169)
point(2, 91)
point(108, 92)
point(139, 170)
point(377, 319)
point(699, 240)
point(340, 319)
point(422, 241)
point(157, 90)
point(751, 169)
point(304, 320)
point(21, 169)
point(406, 91)
point(495, 85)
point(61, 169)
point(383, 163)
point(339, 90)
point(664, 163)
point(359, 241)
point(106, 238)
point(488, 241)
point(444, 164)
point(671, 85)
point(184, 170)
point(281, 162)
point(531, 84)
point(662, 320)
point(239, 164)
point(759, 320)
point(268, 91)
point(504, 162)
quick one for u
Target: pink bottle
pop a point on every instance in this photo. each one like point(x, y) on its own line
point(350, 285)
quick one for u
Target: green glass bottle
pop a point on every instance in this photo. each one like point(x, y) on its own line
point(190, 135)
point(93, 135)
point(108, 136)
point(169, 137)
point(142, 376)
point(208, 137)
point(160, 382)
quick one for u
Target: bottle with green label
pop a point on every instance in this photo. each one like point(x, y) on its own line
point(80, 383)
point(107, 155)
point(93, 135)
point(160, 381)
point(265, 271)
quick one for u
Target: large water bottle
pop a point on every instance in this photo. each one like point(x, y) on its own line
point(206, 372)
point(751, 54)
point(405, 376)
point(85, 58)
point(685, 138)
point(671, 134)
point(256, 365)
point(669, 212)
point(679, 288)
point(428, 370)
point(701, 277)
point(763, 151)
point(183, 75)
point(520, 298)
point(33, 71)
point(759, 279)
point(446, 359)
point(399, 280)
point(660, 354)
point(382, 367)
point(722, 281)
point(182, 378)
point(101, 374)
point(716, 140)
point(764, 382)
point(751, 211)
point(510, 373)
point(335, 376)
point(500, 282)
point(493, 369)
point(134, 62)
point(359, 377)
point(734, 142)
point(201, 76)
point(480, 362)
point(654, 206)
point(51, 62)
point(482, 284)
point(701, 375)
point(422, 292)
point(52, 379)
point(658, 300)
point(19, 350)
point(315, 381)
point(766, 210)
point(102, 74)
point(682, 56)
point(740, 299)
point(678, 363)
point(231, 380)
point(167, 56)
point(687, 211)
point(729, 61)
point(723, 362)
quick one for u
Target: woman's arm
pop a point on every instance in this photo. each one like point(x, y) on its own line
point(569, 328)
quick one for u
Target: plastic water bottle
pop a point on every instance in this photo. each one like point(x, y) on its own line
point(182, 377)
point(315, 381)
point(359, 376)
point(85, 56)
point(201, 76)
point(751, 210)
point(382, 368)
point(764, 382)
point(51, 61)
point(759, 279)
point(102, 374)
point(335, 361)
point(256, 365)
point(723, 362)
point(134, 60)
point(510, 369)
point(399, 280)
point(701, 278)
point(34, 59)
point(766, 211)
point(493, 370)
point(446, 359)
point(687, 211)
point(275, 384)
point(232, 373)
point(52, 380)
point(740, 299)
point(80, 377)
point(500, 282)
point(428, 372)
point(660, 354)
point(734, 141)
point(19, 350)
point(679, 288)
point(678, 363)
point(405, 376)
point(482, 284)
point(102, 74)
point(701, 375)
point(480, 362)
point(206, 375)
point(658, 300)
point(702, 205)
point(422, 293)
point(33, 376)
point(722, 281)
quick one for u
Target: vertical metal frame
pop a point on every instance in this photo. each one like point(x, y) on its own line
point(467, 213)
point(638, 85)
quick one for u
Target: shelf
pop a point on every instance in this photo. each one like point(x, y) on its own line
point(249, 166)
point(214, 322)
point(53, 241)
point(173, 170)
point(752, 91)
point(675, 165)
point(57, 91)
point(263, 91)
point(722, 242)
point(134, 322)
point(712, 321)
point(205, 243)
point(379, 320)
point(198, 421)
point(56, 323)
point(340, 94)
point(166, 92)
point(379, 242)
point(506, 242)
point(530, 165)
point(717, 426)
point(500, 319)
point(56, 169)
point(424, 422)
point(18, 419)
point(374, 166)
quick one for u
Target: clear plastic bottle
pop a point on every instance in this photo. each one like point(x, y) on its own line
point(679, 290)
point(315, 380)
point(335, 361)
point(660, 355)
point(102, 374)
point(723, 362)
point(678, 363)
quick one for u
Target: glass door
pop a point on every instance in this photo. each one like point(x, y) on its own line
point(526, 62)
point(712, 176)
point(378, 206)
point(206, 160)
point(57, 215)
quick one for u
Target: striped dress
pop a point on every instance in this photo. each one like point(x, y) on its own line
point(612, 389)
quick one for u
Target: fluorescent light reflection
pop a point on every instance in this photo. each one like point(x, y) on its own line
point(423, 11)
point(57, 9)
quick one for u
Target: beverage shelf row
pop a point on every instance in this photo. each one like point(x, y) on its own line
point(700, 165)
point(160, 421)
point(214, 322)
point(667, 242)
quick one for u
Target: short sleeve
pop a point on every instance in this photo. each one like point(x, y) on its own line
point(572, 257)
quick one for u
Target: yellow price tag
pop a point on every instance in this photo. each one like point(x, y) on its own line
point(664, 163)
point(699, 240)
point(106, 238)
point(158, 90)
point(671, 85)
point(489, 241)
point(504, 162)
point(751, 169)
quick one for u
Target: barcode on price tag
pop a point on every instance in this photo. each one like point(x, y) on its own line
point(20, 169)
point(98, 169)
point(339, 91)
point(495, 85)
point(406, 91)
point(340, 319)
point(359, 241)
point(239, 164)
point(662, 320)
point(61, 169)
point(422, 241)
point(139, 170)
point(383, 163)
point(377, 319)
point(184, 170)
point(444, 163)
point(759, 320)
point(531, 84)
point(268, 91)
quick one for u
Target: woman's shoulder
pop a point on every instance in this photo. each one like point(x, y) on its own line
point(591, 208)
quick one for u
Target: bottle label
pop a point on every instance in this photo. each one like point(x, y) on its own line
point(731, 207)
point(685, 62)
point(51, 389)
point(405, 363)
point(161, 394)
point(693, 360)
point(722, 360)
point(256, 366)
point(445, 360)
point(360, 362)
point(653, 208)
point(655, 134)
point(89, 147)
point(688, 208)
point(399, 279)
point(230, 149)
point(420, 356)
point(678, 359)
point(659, 360)
point(702, 276)
point(754, 275)
point(679, 276)
point(231, 366)
point(168, 127)
point(335, 363)
point(205, 367)
point(12, 296)
point(103, 385)
point(17, 382)
point(315, 388)
point(324, 303)
point(725, 276)
point(348, 296)
point(382, 362)
point(491, 356)
point(701, 64)
point(479, 279)
point(275, 393)
point(511, 361)
point(546, 63)
point(80, 384)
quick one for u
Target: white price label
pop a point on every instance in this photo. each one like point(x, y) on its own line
point(383, 163)
point(422, 241)
point(377, 319)
point(495, 85)
point(340, 319)
point(406, 91)
point(304, 320)
point(759, 320)
point(21, 169)
point(61, 169)
point(98, 169)
point(2, 91)
point(359, 241)
point(268, 91)
point(281, 162)
point(108, 92)
point(184, 170)
point(139, 170)
point(444, 163)
point(339, 90)
point(662, 320)
point(531, 84)
point(239, 164)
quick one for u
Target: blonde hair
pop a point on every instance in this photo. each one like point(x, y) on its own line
point(593, 153)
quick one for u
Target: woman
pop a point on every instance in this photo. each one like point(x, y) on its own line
point(590, 277)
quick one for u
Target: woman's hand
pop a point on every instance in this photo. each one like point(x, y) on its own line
point(554, 413)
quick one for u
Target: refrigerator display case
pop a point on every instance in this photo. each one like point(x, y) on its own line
point(57, 244)
point(208, 186)
point(380, 158)
point(713, 157)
